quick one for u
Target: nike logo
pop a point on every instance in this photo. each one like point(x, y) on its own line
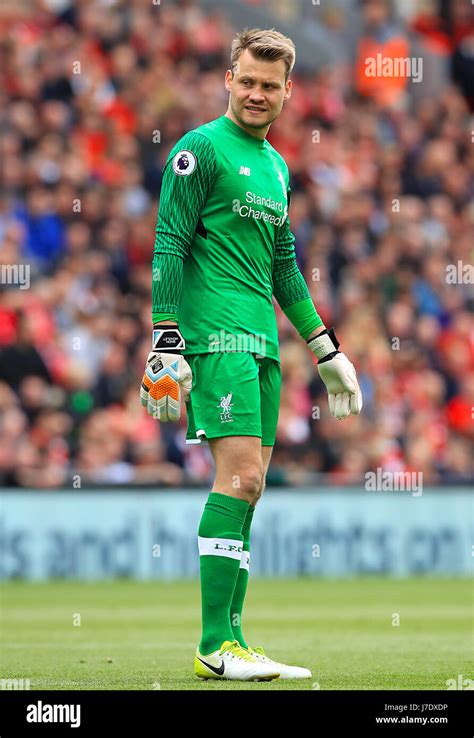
point(216, 670)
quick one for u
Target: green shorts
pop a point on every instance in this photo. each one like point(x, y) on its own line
point(233, 394)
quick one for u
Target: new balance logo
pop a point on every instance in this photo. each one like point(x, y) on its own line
point(245, 170)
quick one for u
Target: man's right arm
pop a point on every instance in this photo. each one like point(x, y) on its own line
point(188, 177)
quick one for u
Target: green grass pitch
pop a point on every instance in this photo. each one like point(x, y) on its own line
point(136, 635)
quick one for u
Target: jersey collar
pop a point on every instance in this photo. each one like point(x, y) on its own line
point(238, 131)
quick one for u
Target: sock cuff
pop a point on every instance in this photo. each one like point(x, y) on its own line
point(230, 547)
point(228, 505)
point(245, 558)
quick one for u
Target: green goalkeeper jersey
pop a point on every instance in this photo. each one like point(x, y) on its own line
point(223, 242)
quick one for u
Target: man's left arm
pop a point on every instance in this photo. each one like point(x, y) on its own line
point(292, 294)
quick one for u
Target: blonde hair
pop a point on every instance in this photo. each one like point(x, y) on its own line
point(270, 45)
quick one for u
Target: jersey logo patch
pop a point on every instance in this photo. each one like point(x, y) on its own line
point(184, 163)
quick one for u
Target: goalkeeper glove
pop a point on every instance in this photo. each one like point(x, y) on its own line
point(167, 375)
point(338, 374)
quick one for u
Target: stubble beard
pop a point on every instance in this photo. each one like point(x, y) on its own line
point(251, 124)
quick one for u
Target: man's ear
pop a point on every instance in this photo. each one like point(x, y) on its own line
point(228, 80)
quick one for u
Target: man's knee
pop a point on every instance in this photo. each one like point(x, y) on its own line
point(250, 481)
point(259, 491)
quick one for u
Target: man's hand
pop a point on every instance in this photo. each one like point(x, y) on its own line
point(338, 374)
point(167, 375)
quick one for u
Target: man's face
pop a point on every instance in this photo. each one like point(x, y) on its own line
point(257, 90)
point(376, 12)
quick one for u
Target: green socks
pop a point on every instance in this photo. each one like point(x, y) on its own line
point(220, 549)
point(242, 580)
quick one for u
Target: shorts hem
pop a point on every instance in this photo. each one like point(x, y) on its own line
point(200, 437)
point(223, 435)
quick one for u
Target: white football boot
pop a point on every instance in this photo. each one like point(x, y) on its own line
point(286, 671)
point(231, 661)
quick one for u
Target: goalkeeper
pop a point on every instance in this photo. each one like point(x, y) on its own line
point(223, 248)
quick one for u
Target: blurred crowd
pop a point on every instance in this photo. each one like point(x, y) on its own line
point(93, 95)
